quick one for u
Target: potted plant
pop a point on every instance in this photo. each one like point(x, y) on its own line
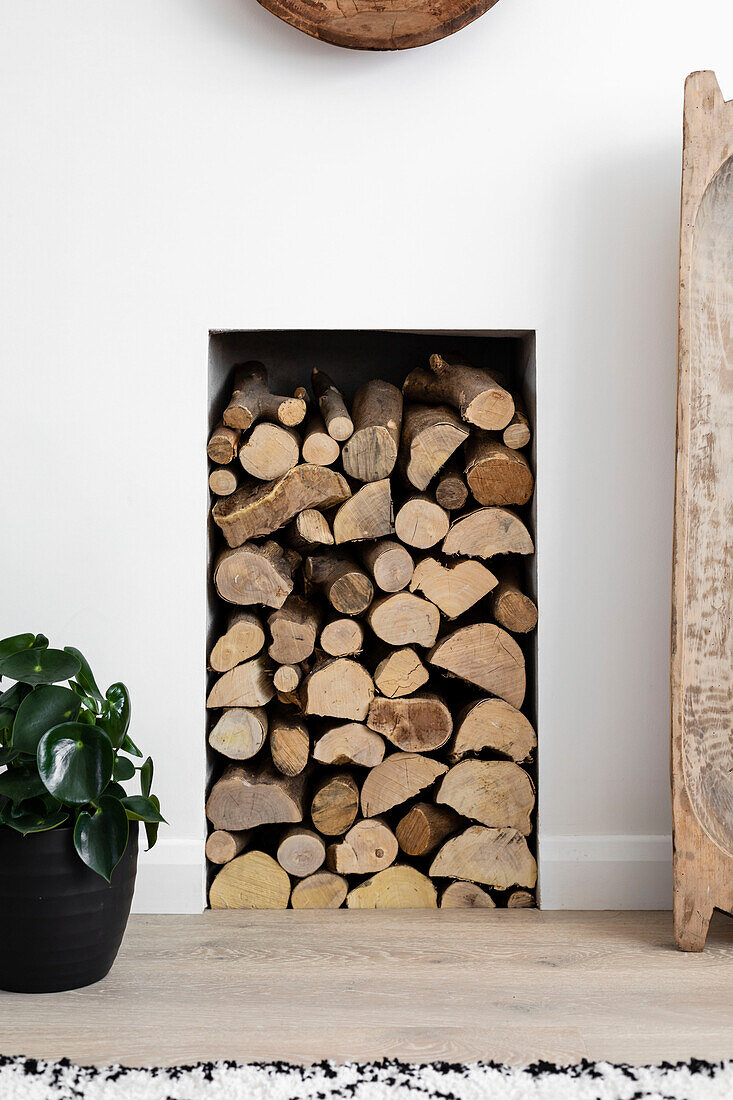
point(68, 827)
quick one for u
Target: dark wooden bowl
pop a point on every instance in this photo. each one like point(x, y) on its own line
point(378, 24)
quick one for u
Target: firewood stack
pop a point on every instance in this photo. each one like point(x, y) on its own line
point(366, 695)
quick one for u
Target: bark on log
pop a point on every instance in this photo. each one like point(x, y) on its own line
point(286, 678)
point(294, 629)
point(517, 432)
point(496, 725)
point(332, 405)
point(477, 394)
point(335, 804)
point(371, 452)
point(319, 448)
point(240, 732)
point(494, 857)
point(301, 852)
point(223, 481)
point(389, 563)
point(251, 881)
point(425, 827)
point(365, 515)
point(404, 619)
point(484, 655)
point(496, 475)
point(222, 847)
point(398, 887)
point(429, 437)
point(244, 638)
point(338, 688)
point(419, 723)
point(255, 574)
point(324, 890)
point(486, 532)
point(309, 529)
point(223, 444)
point(466, 895)
point(351, 743)
point(246, 685)
point(451, 491)
point(289, 743)
point(346, 587)
point(521, 899)
point(369, 846)
point(246, 797)
point(270, 451)
point(399, 777)
point(421, 523)
point(497, 793)
point(511, 608)
point(342, 637)
point(400, 673)
point(251, 400)
point(266, 506)
point(454, 588)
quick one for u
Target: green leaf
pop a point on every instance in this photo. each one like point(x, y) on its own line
point(115, 716)
point(146, 776)
point(124, 769)
point(14, 696)
point(142, 809)
point(45, 707)
point(129, 746)
point(101, 838)
point(75, 762)
point(84, 676)
point(33, 817)
point(40, 642)
point(7, 755)
point(15, 644)
point(151, 828)
point(18, 784)
point(116, 790)
point(40, 666)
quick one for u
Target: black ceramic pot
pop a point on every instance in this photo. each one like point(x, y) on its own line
point(61, 925)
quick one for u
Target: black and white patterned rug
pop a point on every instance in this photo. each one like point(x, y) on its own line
point(31, 1079)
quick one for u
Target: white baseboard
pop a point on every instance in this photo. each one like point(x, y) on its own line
point(606, 872)
point(171, 878)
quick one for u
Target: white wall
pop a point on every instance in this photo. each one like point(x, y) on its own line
point(176, 165)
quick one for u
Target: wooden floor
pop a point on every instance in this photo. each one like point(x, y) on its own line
point(513, 986)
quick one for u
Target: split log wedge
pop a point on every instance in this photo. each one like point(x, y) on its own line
point(497, 793)
point(404, 619)
point(419, 723)
point(308, 529)
point(484, 655)
point(368, 847)
point(365, 515)
point(371, 452)
point(400, 673)
point(496, 725)
point(398, 887)
point(324, 890)
point(246, 797)
point(421, 523)
point(351, 743)
point(270, 451)
point(255, 574)
point(251, 400)
point(289, 743)
point(425, 827)
point(244, 638)
point(338, 688)
point(335, 804)
point(429, 437)
point(486, 532)
point(494, 857)
point(466, 895)
point(399, 777)
point(240, 732)
point(497, 475)
point(454, 588)
point(301, 852)
point(251, 881)
point(246, 685)
point(294, 629)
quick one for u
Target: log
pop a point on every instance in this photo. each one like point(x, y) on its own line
point(521, 899)
point(222, 847)
point(308, 529)
point(351, 743)
point(223, 444)
point(251, 881)
point(342, 637)
point(389, 563)
point(246, 685)
point(400, 673)
point(477, 394)
point(497, 475)
point(518, 432)
point(484, 655)
point(466, 895)
point(511, 608)
point(371, 452)
point(454, 588)
point(495, 725)
point(425, 827)
point(451, 491)
point(335, 804)
point(294, 630)
point(301, 852)
point(346, 587)
point(319, 448)
point(286, 678)
point(404, 619)
point(324, 890)
point(223, 481)
point(251, 400)
point(255, 574)
point(369, 846)
point(339, 424)
point(429, 438)
point(264, 506)
point(270, 451)
point(421, 523)
point(289, 743)
point(494, 857)
point(399, 777)
point(338, 688)
point(486, 532)
point(365, 515)
point(240, 732)
point(247, 796)
point(398, 887)
point(497, 793)
point(244, 638)
point(419, 723)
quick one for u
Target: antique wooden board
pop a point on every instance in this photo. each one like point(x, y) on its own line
point(702, 632)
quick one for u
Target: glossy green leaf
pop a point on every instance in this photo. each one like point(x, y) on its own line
point(151, 827)
point(14, 696)
point(47, 706)
point(40, 642)
point(75, 762)
point(15, 644)
point(84, 676)
point(40, 666)
point(146, 776)
point(18, 784)
point(142, 809)
point(116, 790)
point(129, 746)
point(115, 716)
point(33, 817)
point(100, 838)
point(124, 769)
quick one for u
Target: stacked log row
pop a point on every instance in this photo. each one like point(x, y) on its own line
point(368, 730)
